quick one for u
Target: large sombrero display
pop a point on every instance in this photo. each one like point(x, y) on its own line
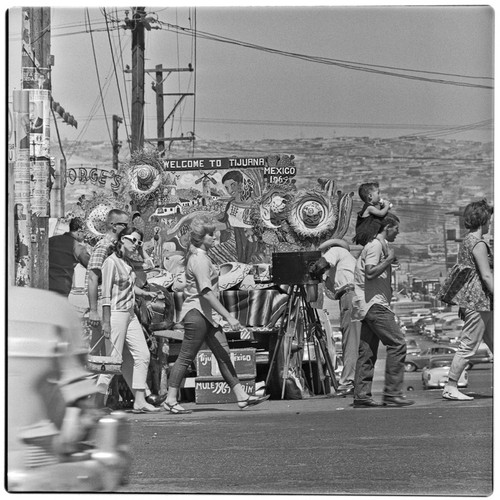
point(143, 175)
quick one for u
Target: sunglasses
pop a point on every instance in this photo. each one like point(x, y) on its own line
point(135, 241)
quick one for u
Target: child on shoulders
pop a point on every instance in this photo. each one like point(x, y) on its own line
point(370, 216)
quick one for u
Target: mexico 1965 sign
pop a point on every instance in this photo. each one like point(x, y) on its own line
point(275, 169)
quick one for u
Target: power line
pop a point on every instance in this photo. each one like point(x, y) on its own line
point(370, 68)
point(98, 78)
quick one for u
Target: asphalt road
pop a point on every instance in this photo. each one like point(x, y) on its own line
point(322, 445)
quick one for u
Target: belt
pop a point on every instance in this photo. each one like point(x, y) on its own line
point(343, 290)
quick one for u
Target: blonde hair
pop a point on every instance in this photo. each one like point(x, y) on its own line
point(199, 228)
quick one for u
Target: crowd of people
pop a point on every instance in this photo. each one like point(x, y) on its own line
point(362, 286)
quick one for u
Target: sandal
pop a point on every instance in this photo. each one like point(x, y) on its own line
point(145, 409)
point(252, 401)
point(176, 409)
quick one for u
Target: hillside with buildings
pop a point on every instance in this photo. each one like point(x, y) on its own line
point(426, 179)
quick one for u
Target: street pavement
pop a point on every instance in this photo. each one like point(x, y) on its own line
point(322, 445)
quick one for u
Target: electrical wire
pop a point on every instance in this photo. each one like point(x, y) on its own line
point(115, 70)
point(98, 78)
point(356, 66)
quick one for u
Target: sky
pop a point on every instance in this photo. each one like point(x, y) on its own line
point(245, 93)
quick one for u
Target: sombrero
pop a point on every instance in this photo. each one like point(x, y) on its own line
point(232, 274)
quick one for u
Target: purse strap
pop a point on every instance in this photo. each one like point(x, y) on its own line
point(110, 341)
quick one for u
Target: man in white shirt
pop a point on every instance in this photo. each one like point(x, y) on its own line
point(372, 279)
point(340, 282)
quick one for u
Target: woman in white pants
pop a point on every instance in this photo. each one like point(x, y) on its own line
point(120, 323)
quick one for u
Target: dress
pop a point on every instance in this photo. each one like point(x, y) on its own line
point(367, 228)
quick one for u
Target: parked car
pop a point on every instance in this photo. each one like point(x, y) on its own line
point(419, 314)
point(412, 347)
point(57, 440)
point(415, 362)
point(423, 324)
point(436, 374)
point(450, 322)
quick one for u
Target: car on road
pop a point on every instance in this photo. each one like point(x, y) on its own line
point(435, 375)
point(57, 439)
point(414, 362)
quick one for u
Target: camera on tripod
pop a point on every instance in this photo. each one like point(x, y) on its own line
point(294, 268)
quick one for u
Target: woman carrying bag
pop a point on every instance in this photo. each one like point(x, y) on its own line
point(475, 298)
point(201, 314)
point(120, 324)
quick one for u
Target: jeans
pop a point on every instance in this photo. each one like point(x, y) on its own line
point(379, 324)
point(478, 326)
point(351, 331)
point(197, 330)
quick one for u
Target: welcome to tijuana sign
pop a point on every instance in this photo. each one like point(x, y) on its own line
point(273, 170)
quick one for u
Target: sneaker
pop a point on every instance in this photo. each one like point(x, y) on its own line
point(453, 394)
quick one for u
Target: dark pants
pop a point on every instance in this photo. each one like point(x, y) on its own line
point(197, 330)
point(379, 324)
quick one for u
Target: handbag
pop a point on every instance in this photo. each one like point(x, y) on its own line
point(104, 364)
point(458, 277)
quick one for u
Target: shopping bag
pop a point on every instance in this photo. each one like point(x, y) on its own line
point(458, 277)
point(104, 364)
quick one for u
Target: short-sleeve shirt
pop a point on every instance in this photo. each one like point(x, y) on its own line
point(101, 251)
point(375, 291)
point(118, 280)
point(342, 265)
point(201, 274)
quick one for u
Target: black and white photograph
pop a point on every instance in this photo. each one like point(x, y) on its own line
point(249, 249)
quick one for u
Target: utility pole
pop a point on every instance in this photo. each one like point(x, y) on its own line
point(116, 143)
point(158, 88)
point(31, 172)
point(138, 24)
point(445, 247)
point(137, 125)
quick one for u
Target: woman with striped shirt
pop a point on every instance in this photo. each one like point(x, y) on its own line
point(120, 323)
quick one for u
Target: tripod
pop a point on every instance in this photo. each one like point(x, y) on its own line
point(315, 332)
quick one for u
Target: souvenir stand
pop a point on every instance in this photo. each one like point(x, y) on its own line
point(258, 212)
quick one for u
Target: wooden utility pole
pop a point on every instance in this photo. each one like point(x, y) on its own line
point(40, 156)
point(116, 143)
point(31, 171)
point(160, 122)
point(137, 125)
